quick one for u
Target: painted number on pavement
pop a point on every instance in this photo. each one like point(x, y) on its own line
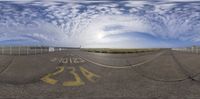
point(72, 70)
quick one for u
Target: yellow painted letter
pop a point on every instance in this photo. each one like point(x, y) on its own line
point(89, 75)
point(49, 80)
point(77, 82)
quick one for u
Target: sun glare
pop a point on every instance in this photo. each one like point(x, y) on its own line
point(100, 36)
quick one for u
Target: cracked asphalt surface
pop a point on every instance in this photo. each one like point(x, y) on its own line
point(75, 74)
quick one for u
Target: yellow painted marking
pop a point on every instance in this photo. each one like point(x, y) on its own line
point(61, 69)
point(77, 82)
point(48, 78)
point(89, 75)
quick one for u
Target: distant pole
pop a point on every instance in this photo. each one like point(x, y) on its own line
point(41, 50)
point(27, 50)
point(10, 50)
point(19, 51)
point(2, 51)
point(198, 50)
point(44, 50)
point(35, 50)
point(192, 49)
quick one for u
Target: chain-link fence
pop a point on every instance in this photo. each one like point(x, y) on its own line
point(28, 50)
point(193, 49)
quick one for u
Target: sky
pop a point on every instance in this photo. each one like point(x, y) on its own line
point(100, 23)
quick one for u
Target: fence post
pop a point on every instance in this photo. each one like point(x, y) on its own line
point(40, 50)
point(19, 51)
point(35, 50)
point(2, 50)
point(27, 50)
point(192, 50)
point(10, 50)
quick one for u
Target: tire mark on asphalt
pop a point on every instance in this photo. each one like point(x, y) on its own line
point(159, 80)
point(184, 71)
point(122, 67)
point(187, 73)
point(32, 81)
point(181, 67)
point(7, 65)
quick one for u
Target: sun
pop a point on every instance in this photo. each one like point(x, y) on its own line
point(100, 36)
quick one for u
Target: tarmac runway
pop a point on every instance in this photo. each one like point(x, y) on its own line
point(75, 74)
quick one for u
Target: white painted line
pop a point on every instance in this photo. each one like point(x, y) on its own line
point(122, 67)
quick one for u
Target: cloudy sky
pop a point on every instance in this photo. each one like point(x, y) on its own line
point(100, 23)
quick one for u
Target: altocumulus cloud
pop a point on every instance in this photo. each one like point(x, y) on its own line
point(107, 23)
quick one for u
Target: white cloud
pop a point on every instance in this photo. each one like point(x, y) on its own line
point(180, 0)
point(98, 27)
point(77, 21)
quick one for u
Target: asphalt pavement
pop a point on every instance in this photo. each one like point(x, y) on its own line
point(76, 74)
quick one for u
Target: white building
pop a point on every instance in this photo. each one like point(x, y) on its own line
point(51, 49)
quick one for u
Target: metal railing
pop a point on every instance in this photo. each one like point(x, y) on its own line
point(190, 50)
point(26, 50)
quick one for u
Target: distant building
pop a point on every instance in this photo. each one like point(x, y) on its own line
point(51, 49)
point(60, 49)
